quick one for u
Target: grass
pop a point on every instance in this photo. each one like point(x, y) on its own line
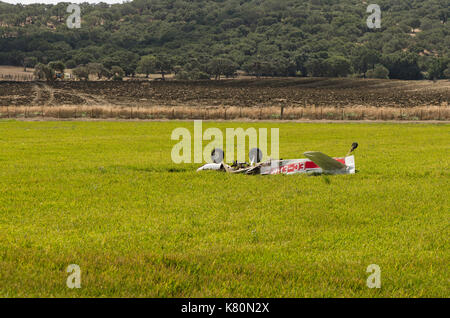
point(105, 196)
point(227, 113)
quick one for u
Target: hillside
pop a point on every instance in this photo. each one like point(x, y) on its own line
point(261, 37)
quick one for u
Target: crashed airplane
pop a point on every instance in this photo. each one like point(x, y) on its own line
point(314, 164)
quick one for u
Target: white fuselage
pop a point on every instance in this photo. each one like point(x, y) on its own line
point(294, 166)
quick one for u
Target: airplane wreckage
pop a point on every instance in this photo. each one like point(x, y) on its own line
point(315, 163)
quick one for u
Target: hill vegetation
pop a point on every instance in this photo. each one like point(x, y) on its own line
point(197, 39)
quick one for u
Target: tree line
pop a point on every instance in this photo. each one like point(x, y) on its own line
point(212, 39)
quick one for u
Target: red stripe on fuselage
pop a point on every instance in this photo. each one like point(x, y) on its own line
point(312, 165)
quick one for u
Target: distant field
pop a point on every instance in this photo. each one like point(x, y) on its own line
point(106, 196)
point(18, 73)
point(14, 73)
point(259, 99)
point(6, 69)
point(290, 92)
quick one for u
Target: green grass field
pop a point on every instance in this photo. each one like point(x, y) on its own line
point(106, 196)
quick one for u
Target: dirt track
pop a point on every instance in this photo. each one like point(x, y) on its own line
point(297, 92)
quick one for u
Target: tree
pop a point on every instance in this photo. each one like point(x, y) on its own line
point(98, 69)
point(57, 66)
point(435, 68)
point(402, 66)
point(44, 72)
point(83, 58)
point(29, 61)
point(71, 64)
point(339, 66)
point(81, 72)
point(283, 66)
point(183, 76)
point(364, 58)
point(378, 72)
point(39, 71)
point(300, 60)
point(177, 69)
point(317, 67)
point(163, 65)
point(414, 23)
point(254, 66)
point(197, 74)
point(117, 72)
point(147, 65)
point(447, 73)
point(126, 60)
point(222, 66)
point(230, 69)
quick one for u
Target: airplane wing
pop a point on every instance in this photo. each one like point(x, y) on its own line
point(225, 166)
point(255, 168)
point(323, 161)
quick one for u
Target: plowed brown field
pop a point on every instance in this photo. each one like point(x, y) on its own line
point(297, 96)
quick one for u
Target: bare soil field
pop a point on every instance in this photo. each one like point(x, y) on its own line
point(288, 98)
point(14, 73)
